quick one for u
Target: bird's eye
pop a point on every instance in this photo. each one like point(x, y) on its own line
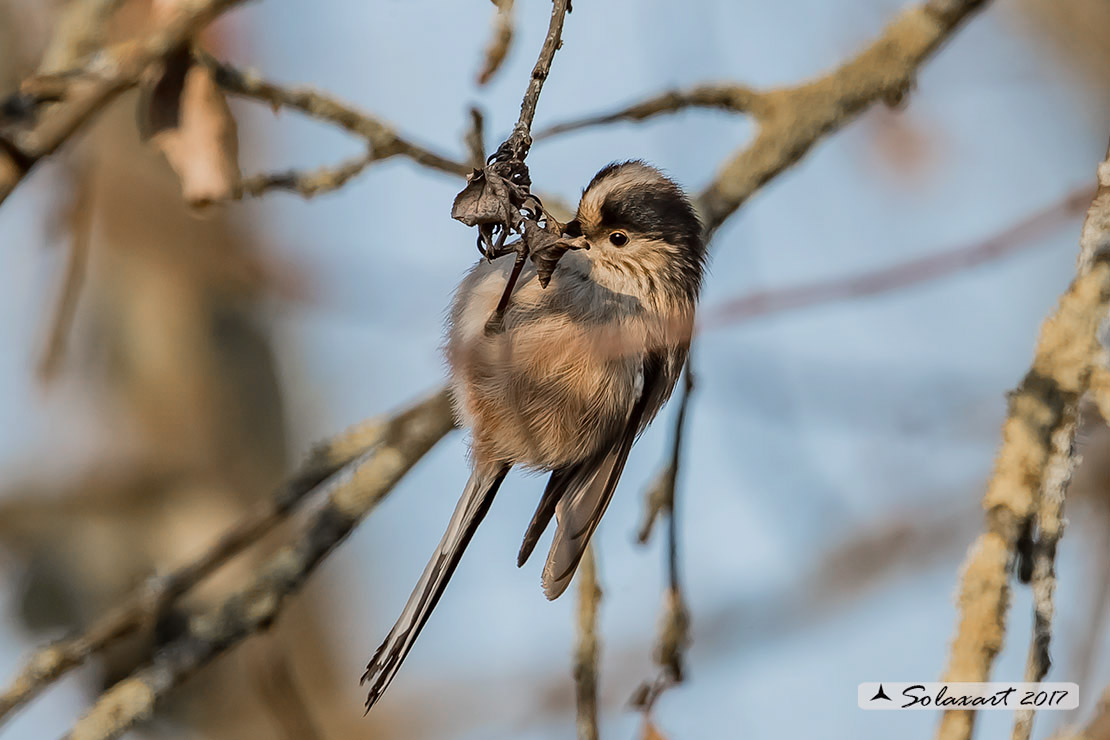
point(618, 238)
point(573, 228)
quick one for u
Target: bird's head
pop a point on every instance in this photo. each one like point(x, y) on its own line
point(634, 218)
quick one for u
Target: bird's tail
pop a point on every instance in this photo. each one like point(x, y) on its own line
point(471, 509)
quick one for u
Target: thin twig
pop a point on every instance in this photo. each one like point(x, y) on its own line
point(383, 140)
point(499, 43)
point(305, 184)
point(80, 226)
point(516, 147)
point(46, 665)
point(520, 140)
point(730, 97)
point(674, 636)
point(475, 138)
point(351, 495)
point(1040, 421)
point(586, 649)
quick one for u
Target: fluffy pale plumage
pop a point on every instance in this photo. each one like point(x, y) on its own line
point(579, 370)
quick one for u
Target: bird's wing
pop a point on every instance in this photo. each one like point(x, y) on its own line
point(579, 495)
point(471, 509)
point(571, 478)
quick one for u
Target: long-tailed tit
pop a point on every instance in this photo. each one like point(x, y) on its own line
point(571, 377)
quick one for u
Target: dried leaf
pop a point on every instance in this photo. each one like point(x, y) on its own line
point(186, 115)
point(651, 732)
point(547, 246)
point(484, 200)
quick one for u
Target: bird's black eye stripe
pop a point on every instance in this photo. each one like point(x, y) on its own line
point(573, 228)
point(655, 211)
point(618, 238)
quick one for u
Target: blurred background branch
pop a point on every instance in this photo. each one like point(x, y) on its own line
point(254, 607)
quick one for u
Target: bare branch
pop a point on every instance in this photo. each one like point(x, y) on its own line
point(475, 138)
point(586, 650)
point(50, 663)
point(79, 97)
point(384, 142)
point(911, 272)
point(1041, 422)
point(521, 138)
point(674, 635)
point(733, 98)
point(80, 223)
point(305, 184)
point(496, 195)
point(351, 495)
point(500, 42)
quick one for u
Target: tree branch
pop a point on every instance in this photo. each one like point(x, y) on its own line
point(42, 129)
point(50, 663)
point(384, 142)
point(499, 43)
point(674, 636)
point(792, 119)
point(351, 495)
point(1050, 528)
point(911, 272)
point(1039, 426)
point(796, 118)
point(306, 184)
point(520, 140)
point(80, 222)
point(733, 98)
point(586, 649)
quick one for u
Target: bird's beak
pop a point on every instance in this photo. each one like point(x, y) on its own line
point(574, 242)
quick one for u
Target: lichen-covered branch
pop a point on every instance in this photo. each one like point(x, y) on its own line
point(793, 119)
point(51, 662)
point(1049, 527)
point(1039, 428)
point(54, 107)
point(351, 495)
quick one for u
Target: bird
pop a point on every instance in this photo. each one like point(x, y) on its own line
point(572, 375)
